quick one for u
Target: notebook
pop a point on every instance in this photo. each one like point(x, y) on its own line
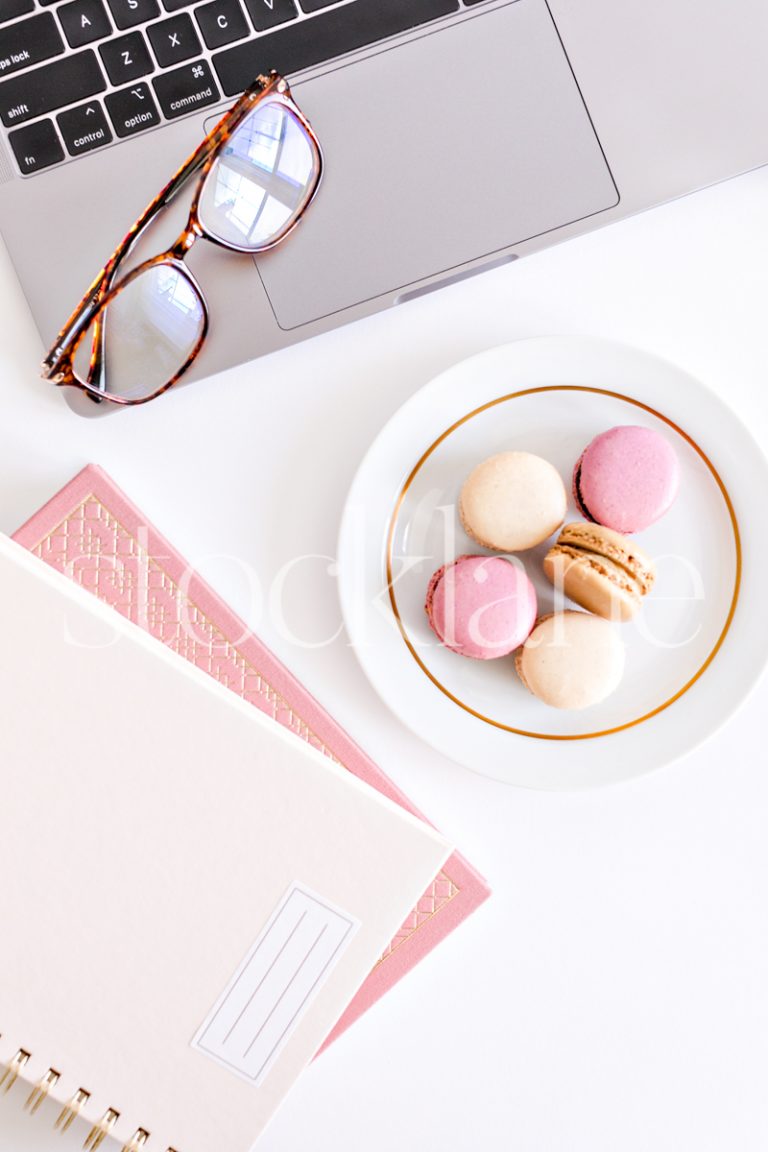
point(92, 532)
point(191, 896)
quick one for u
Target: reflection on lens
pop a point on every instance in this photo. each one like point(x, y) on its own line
point(263, 178)
point(144, 337)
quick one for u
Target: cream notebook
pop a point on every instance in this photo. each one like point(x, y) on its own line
point(190, 895)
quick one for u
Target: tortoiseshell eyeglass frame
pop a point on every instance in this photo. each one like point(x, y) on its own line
point(58, 365)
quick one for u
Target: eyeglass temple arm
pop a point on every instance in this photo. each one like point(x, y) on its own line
point(101, 286)
point(106, 277)
point(103, 282)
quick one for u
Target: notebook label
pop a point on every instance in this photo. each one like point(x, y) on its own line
point(269, 994)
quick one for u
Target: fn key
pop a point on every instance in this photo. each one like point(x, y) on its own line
point(36, 146)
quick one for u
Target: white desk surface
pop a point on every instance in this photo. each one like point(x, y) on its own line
point(612, 995)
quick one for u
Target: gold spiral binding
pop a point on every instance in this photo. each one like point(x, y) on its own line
point(41, 1090)
point(71, 1111)
point(100, 1131)
point(137, 1141)
point(13, 1067)
point(9, 1074)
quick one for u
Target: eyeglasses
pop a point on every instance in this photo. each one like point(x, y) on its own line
point(132, 337)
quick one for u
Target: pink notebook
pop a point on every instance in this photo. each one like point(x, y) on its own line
point(97, 537)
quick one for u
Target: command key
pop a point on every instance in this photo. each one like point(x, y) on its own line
point(186, 89)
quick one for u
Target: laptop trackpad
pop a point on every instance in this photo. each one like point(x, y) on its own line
point(467, 140)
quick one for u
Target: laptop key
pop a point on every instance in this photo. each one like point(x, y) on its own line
point(174, 40)
point(84, 21)
point(10, 9)
point(128, 13)
point(132, 110)
point(126, 58)
point(29, 42)
point(186, 89)
point(84, 128)
point(269, 13)
point(174, 5)
point(221, 22)
point(37, 146)
point(325, 36)
point(53, 86)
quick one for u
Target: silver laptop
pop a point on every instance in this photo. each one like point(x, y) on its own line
point(458, 135)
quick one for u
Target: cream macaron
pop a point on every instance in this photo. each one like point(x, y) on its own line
point(571, 660)
point(600, 570)
point(512, 501)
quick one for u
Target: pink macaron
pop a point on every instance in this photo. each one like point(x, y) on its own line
point(481, 606)
point(626, 478)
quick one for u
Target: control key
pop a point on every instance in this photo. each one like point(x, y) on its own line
point(84, 128)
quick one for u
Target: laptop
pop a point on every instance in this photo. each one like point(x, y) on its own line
point(458, 135)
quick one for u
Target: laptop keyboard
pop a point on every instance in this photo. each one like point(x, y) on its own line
point(75, 75)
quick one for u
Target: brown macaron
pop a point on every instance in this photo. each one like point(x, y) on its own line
point(600, 569)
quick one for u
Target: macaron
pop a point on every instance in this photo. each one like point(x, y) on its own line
point(481, 606)
point(512, 501)
point(571, 660)
point(601, 570)
point(626, 478)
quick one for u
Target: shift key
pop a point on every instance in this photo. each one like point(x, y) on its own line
point(29, 42)
point(53, 86)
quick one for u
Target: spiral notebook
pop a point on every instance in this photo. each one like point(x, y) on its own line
point(190, 896)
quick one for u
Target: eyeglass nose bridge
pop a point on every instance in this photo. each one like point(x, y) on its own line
point(188, 238)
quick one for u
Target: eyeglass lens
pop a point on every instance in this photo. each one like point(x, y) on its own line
point(261, 180)
point(146, 334)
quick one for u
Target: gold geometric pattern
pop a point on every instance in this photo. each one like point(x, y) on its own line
point(440, 892)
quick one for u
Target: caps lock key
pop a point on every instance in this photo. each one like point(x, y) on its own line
point(29, 42)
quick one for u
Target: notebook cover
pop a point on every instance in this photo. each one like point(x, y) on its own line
point(191, 896)
point(93, 533)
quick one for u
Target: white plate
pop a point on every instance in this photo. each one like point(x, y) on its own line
point(694, 651)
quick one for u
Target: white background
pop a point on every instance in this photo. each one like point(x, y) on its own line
point(612, 993)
